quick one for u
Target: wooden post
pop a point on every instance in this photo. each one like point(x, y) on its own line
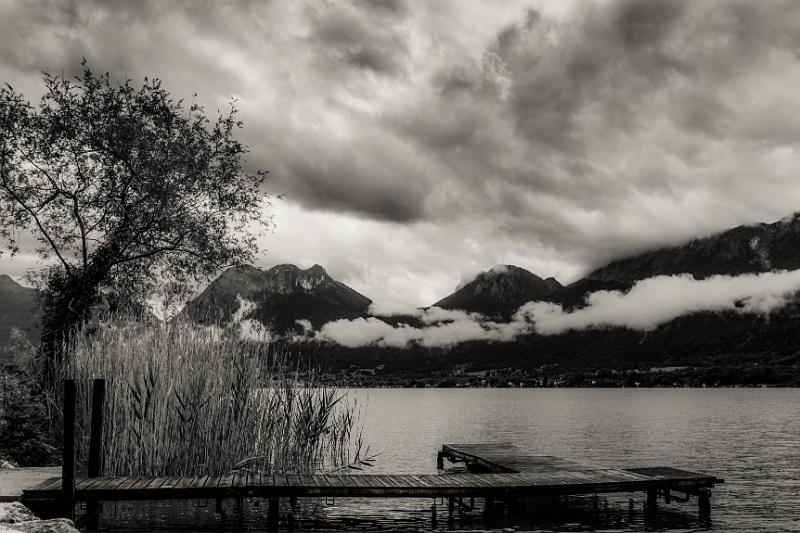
point(704, 504)
point(439, 461)
point(451, 503)
point(652, 500)
point(433, 514)
point(96, 447)
point(68, 451)
point(488, 506)
point(96, 435)
point(273, 514)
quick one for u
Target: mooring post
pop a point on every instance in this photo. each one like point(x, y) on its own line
point(439, 461)
point(68, 451)
point(96, 436)
point(433, 514)
point(273, 514)
point(95, 467)
point(451, 504)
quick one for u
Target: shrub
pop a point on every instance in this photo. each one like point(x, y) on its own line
point(25, 437)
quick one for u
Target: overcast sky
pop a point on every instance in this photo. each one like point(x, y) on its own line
point(419, 142)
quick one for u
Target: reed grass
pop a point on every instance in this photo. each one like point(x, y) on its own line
point(186, 400)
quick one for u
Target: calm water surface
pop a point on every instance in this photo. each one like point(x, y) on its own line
point(749, 437)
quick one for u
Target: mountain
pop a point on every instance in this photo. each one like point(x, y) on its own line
point(741, 250)
point(277, 297)
point(19, 316)
point(500, 291)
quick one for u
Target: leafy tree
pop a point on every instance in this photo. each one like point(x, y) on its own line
point(125, 188)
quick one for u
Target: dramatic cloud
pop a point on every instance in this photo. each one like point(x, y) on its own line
point(648, 304)
point(444, 137)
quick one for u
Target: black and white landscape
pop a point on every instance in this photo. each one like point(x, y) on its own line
point(250, 232)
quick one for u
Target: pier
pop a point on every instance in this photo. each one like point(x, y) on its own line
point(498, 473)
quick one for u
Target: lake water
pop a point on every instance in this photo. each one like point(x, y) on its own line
point(749, 437)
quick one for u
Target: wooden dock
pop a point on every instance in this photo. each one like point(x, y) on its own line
point(496, 472)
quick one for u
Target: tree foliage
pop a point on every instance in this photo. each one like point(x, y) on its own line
point(124, 188)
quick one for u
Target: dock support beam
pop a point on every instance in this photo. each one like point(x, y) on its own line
point(488, 506)
point(652, 501)
point(273, 514)
point(68, 451)
point(704, 504)
point(439, 461)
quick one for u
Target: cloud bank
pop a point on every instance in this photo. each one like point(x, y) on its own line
point(647, 305)
point(442, 328)
point(658, 300)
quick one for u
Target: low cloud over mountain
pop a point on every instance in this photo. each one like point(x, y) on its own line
point(647, 305)
point(439, 328)
point(655, 301)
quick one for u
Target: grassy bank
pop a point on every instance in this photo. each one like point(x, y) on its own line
point(184, 400)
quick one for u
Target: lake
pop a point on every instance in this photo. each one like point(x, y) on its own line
point(749, 437)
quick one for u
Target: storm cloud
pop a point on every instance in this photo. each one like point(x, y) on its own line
point(429, 141)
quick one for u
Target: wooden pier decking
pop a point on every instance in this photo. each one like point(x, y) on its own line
point(561, 476)
point(495, 472)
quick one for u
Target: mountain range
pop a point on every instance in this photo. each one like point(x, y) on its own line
point(284, 296)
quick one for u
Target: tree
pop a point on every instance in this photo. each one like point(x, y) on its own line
point(124, 189)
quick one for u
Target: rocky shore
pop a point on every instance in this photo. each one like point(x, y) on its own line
point(15, 517)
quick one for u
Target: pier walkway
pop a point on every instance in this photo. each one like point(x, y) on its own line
point(495, 472)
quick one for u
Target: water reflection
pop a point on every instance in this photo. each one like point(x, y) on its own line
point(584, 513)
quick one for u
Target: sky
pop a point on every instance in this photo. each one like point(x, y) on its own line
point(415, 144)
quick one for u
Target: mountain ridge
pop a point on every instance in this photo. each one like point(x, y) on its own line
point(740, 250)
point(500, 291)
point(280, 296)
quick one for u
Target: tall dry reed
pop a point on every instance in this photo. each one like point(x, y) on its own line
point(186, 400)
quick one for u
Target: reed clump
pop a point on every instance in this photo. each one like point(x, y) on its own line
point(187, 400)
